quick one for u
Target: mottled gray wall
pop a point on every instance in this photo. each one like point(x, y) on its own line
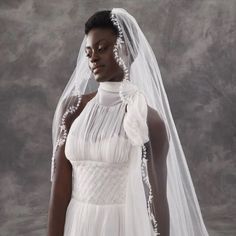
point(194, 42)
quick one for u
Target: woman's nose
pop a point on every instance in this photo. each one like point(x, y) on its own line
point(94, 56)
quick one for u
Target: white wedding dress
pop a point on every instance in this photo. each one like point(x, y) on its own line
point(106, 179)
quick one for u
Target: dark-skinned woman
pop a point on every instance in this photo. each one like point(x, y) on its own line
point(118, 168)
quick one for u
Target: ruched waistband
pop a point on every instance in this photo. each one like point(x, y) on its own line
point(99, 182)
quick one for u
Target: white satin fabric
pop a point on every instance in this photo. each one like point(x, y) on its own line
point(108, 196)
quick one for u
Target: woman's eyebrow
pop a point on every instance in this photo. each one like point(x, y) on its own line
point(96, 43)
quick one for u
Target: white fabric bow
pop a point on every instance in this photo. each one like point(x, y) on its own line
point(135, 120)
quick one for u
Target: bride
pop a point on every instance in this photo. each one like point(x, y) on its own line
point(118, 167)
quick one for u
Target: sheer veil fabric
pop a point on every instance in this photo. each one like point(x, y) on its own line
point(142, 86)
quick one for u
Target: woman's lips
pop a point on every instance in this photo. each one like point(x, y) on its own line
point(97, 69)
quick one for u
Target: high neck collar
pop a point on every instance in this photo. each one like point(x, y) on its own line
point(109, 92)
point(110, 86)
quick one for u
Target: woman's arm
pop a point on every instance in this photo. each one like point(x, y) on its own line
point(60, 194)
point(62, 182)
point(157, 166)
point(61, 187)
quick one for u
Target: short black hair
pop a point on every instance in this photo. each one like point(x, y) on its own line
point(101, 19)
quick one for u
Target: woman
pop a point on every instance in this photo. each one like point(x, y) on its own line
point(118, 167)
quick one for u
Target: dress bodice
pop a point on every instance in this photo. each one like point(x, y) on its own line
point(99, 149)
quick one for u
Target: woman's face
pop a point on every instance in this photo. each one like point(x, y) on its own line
point(99, 50)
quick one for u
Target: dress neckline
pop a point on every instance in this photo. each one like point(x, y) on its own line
point(110, 86)
point(108, 94)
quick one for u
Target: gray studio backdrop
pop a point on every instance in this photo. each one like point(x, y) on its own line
point(194, 42)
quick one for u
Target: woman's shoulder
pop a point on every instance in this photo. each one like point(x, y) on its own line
point(155, 122)
point(85, 98)
point(153, 116)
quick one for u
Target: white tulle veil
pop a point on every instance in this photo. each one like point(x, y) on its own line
point(144, 74)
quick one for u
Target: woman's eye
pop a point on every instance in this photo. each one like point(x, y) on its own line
point(100, 49)
point(87, 54)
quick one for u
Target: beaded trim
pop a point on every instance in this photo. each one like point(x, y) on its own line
point(120, 61)
point(150, 207)
point(62, 138)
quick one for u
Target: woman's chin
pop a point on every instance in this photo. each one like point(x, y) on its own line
point(99, 78)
